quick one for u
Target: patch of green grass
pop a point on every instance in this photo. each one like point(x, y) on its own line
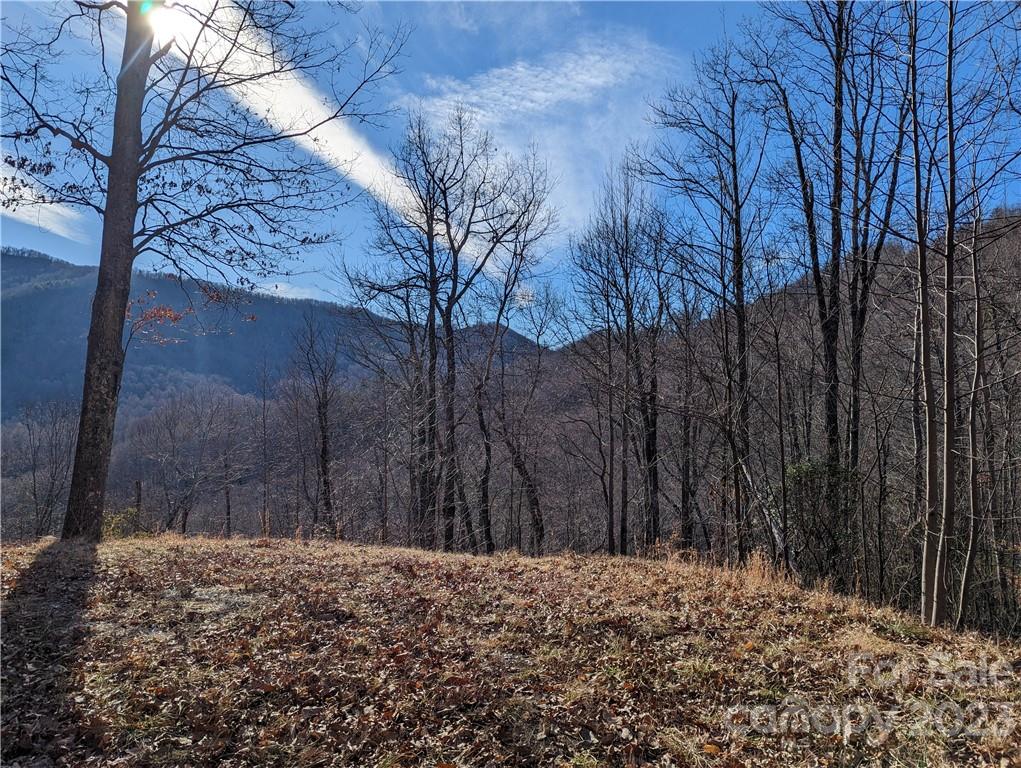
point(904, 630)
point(583, 760)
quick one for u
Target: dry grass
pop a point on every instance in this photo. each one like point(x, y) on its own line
point(201, 652)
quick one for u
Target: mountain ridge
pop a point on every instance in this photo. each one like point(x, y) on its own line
point(44, 311)
point(45, 306)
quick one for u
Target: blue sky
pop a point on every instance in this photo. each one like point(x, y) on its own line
point(574, 79)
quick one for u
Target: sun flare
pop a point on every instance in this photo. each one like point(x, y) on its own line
point(169, 23)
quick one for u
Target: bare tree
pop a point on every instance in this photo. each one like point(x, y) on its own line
point(466, 210)
point(318, 372)
point(795, 89)
point(715, 172)
point(177, 443)
point(520, 375)
point(204, 168)
point(38, 450)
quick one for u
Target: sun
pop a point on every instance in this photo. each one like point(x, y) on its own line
point(169, 22)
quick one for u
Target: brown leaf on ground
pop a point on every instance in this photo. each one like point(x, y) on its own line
point(182, 652)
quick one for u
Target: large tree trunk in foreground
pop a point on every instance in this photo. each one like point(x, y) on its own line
point(104, 360)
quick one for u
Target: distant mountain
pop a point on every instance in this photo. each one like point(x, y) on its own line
point(44, 310)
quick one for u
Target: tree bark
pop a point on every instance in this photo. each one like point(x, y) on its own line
point(104, 358)
point(625, 415)
point(325, 460)
point(741, 323)
point(531, 490)
point(485, 517)
point(227, 521)
point(942, 578)
point(651, 450)
point(466, 513)
point(977, 384)
point(931, 515)
point(450, 420)
point(830, 316)
point(612, 445)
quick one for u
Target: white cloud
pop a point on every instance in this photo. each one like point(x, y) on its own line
point(565, 78)
point(32, 208)
point(456, 16)
point(506, 26)
point(579, 106)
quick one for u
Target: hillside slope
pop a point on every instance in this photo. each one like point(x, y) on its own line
point(45, 305)
point(205, 652)
point(45, 322)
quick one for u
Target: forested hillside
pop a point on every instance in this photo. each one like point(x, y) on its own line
point(789, 327)
point(45, 314)
point(670, 414)
point(208, 453)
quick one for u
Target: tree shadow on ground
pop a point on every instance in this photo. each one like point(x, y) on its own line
point(43, 630)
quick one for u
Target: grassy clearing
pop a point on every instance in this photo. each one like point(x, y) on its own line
point(203, 652)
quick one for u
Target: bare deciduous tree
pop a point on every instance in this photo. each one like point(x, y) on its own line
point(199, 164)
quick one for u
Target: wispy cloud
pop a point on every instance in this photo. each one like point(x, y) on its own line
point(580, 106)
point(506, 26)
point(579, 76)
point(33, 209)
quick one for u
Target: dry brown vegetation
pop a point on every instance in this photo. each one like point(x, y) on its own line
point(207, 652)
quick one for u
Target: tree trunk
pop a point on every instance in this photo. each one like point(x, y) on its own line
point(104, 358)
point(882, 451)
point(227, 522)
point(651, 448)
point(485, 518)
point(741, 323)
point(977, 384)
point(531, 496)
point(416, 467)
point(625, 414)
point(830, 320)
point(325, 459)
point(930, 543)
point(428, 479)
point(466, 514)
point(264, 514)
point(785, 549)
point(687, 497)
point(450, 430)
point(612, 446)
point(942, 577)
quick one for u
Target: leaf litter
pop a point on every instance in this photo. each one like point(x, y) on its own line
point(238, 653)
